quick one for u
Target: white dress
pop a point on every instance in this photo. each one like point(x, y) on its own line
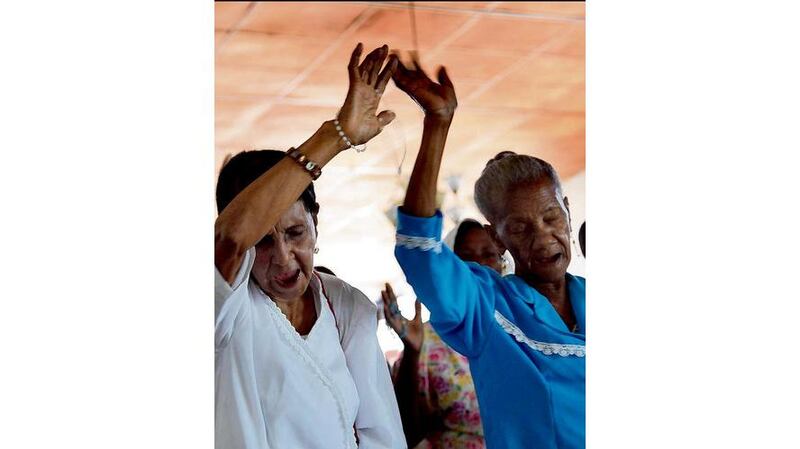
point(277, 390)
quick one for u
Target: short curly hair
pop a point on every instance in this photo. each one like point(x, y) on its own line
point(505, 171)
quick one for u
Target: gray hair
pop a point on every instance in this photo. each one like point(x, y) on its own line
point(505, 171)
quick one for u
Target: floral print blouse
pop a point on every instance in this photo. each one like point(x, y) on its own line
point(445, 384)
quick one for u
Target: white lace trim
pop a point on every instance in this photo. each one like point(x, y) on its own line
point(423, 243)
point(297, 343)
point(563, 350)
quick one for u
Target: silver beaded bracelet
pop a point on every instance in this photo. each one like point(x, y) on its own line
point(346, 140)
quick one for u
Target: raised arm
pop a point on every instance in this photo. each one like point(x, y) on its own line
point(439, 103)
point(459, 296)
point(417, 418)
point(255, 211)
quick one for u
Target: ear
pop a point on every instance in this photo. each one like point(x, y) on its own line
point(495, 238)
point(316, 231)
point(569, 215)
point(315, 218)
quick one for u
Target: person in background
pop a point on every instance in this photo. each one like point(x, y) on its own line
point(523, 334)
point(297, 361)
point(433, 383)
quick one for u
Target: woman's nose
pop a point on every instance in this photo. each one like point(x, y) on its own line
point(280, 252)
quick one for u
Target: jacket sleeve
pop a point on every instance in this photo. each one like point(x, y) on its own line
point(459, 295)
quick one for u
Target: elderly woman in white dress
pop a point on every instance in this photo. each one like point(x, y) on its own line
point(297, 361)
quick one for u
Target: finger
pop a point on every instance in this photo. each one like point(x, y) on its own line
point(400, 75)
point(417, 310)
point(415, 60)
point(388, 72)
point(352, 66)
point(444, 79)
point(386, 311)
point(388, 294)
point(390, 303)
point(415, 65)
point(366, 71)
point(402, 64)
point(384, 118)
point(376, 67)
point(366, 65)
point(403, 69)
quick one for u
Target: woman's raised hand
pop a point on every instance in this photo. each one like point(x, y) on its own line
point(437, 100)
point(358, 117)
point(410, 332)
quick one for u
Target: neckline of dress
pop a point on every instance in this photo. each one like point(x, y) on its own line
point(318, 309)
point(301, 346)
point(537, 297)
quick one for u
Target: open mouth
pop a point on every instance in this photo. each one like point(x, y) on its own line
point(549, 260)
point(287, 279)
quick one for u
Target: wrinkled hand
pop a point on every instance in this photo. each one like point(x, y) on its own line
point(414, 332)
point(437, 100)
point(367, 82)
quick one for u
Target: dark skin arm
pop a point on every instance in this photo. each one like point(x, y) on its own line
point(255, 211)
point(418, 420)
point(439, 103)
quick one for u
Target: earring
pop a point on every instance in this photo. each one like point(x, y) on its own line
point(506, 264)
point(316, 250)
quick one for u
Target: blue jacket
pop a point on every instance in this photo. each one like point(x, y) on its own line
point(529, 369)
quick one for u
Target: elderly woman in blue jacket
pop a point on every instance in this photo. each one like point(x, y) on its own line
point(524, 334)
